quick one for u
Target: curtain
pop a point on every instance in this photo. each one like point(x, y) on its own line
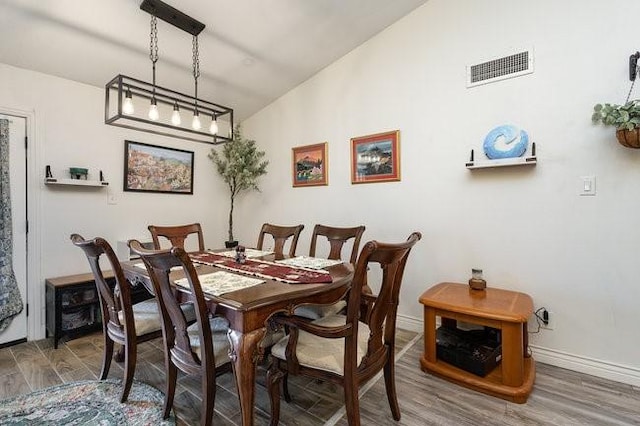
point(10, 300)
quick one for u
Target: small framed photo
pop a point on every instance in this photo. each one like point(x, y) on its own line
point(152, 168)
point(310, 166)
point(375, 158)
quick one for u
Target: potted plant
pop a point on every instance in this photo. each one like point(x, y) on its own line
point(625, 117)
point(240, 164)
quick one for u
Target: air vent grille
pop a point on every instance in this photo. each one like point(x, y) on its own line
point(499, 69)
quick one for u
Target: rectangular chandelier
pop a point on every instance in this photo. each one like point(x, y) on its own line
point(138, 105)
point(141, 92)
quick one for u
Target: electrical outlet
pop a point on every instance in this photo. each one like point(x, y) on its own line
point(550, 325)
point(111, 197)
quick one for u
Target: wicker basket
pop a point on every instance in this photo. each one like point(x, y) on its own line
point(629, 138)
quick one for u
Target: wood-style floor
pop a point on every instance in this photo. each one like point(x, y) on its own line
point(560, 397)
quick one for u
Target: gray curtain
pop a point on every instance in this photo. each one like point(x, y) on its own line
point(10, 300)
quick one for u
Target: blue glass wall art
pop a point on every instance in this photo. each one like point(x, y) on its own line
point(506, 141)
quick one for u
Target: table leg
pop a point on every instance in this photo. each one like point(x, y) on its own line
point(245, 353)
point(430, 334)
point(512, 354)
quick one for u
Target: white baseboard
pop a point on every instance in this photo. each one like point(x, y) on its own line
point(581, 364)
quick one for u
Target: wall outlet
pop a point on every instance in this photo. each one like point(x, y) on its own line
point(550, 325)
point(111, 197)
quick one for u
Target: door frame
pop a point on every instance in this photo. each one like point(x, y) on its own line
point(35, 282)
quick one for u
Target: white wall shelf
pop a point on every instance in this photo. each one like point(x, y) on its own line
point(506, 162)
point(76, 182)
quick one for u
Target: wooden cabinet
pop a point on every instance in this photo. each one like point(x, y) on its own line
point(73, 306)
point(504, 310)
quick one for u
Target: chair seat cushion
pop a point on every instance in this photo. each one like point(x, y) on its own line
point(147, 316)
point(219, 328)
point(322, 353)
point(315, 312)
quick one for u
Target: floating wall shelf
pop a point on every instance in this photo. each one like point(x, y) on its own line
point(506, 162)
point(76, 182)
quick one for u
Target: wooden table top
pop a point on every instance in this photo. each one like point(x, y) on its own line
point(493, 303)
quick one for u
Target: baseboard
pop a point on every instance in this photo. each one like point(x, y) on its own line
point(409, 323)
point(581, 364)
point(593, 367)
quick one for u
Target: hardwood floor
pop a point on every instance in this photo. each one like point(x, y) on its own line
point(559, 397)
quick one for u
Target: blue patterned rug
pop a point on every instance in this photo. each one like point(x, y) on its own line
point(86, 403)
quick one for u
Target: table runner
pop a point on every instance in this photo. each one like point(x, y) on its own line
point(248, 252)
point(263, 269)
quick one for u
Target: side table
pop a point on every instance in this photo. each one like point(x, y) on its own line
point(505, 310)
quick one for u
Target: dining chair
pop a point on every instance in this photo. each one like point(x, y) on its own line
point(199, 349)
point(176, 235)
point(280, 236)
point(346, 349)
point(337, 238)
point(123, 322)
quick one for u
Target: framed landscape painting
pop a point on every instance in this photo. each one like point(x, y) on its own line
point(152, 168)
point(376, 158)
point(310, 165)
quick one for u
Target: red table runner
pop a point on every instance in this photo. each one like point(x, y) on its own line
point(264, 269)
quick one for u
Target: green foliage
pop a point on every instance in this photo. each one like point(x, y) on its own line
point(625, 116)
point(240, 164)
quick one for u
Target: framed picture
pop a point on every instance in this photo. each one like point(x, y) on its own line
point(376, 158)
point(310, 165)
point(151, 168)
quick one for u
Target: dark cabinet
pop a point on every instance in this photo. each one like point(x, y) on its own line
point(73, 306)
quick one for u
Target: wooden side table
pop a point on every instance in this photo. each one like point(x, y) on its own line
point(505, 310)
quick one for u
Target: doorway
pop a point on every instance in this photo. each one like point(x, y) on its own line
point(17, 329)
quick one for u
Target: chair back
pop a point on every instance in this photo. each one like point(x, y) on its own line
point(174, 322)
point(280, 236)
point(337, 238)
point(381, 315)
point(111, 300)
point(176, 235)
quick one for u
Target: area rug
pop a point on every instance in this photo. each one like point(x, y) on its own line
point(86, 403)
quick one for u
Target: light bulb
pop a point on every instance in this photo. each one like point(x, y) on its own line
point(127, 106)
point(196, 121)
point(153, 110)
point(175, 117)
point(213, 129)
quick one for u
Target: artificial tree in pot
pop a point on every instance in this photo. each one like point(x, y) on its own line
point(240, 164)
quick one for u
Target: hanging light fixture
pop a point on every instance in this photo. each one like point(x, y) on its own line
point(125, 96)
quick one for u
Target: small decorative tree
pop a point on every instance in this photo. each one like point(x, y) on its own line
point(240, 164)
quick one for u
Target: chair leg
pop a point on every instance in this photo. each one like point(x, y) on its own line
point(285, 386)
point(208, 400)
point(106, 357)
point(351, 402)
point(172, 376)
point(390, 386)
point(129, 369)
point(274, 377)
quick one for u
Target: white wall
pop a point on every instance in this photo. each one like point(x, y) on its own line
point(70, 131)
point(526, 227)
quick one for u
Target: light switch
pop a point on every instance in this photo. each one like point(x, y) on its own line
point(587, 185)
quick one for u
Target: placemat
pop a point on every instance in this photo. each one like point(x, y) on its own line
point(308, 262)
point(220, 282)
point(263, 269)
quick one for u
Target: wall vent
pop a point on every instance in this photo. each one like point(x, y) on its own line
point(499, 69)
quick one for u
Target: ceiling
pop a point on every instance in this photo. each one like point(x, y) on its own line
point(251, 51)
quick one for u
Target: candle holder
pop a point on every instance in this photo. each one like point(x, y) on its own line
point(476, 282)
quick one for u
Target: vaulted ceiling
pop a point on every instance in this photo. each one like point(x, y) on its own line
point(251, 51)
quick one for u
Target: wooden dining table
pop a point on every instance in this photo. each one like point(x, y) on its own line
point(248, 311)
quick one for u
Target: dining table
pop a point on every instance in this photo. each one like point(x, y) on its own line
point(248, 309)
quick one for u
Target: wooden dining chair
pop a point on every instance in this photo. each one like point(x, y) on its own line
point(280, 236)
point(199, 349)
point(176, 235)
point(346, 349)
point(337, 238)
point(123, 322)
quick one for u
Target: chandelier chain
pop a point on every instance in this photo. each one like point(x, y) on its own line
point(153, 43)
point(196, 58)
